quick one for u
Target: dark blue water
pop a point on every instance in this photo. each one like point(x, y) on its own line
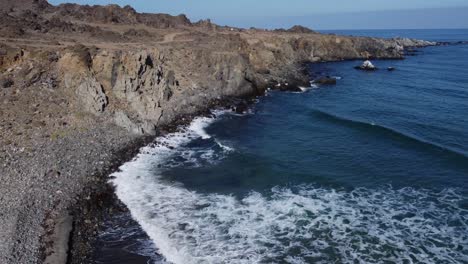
point(372, 170)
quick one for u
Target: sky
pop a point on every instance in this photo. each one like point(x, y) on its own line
point(317, 14)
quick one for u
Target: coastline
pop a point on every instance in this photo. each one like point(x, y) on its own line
point(73, 111)
point(99, 199)
point(112, 205)
point(129, 173)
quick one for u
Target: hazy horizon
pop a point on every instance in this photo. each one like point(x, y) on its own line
point(429, 18)
point(332, 15)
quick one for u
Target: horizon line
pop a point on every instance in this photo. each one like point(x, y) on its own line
point(353, 29)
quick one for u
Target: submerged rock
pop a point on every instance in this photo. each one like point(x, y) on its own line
point(289, 88)
point(241, 108)
point(325, 80)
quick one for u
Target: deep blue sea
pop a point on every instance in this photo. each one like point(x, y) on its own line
point(372, 170)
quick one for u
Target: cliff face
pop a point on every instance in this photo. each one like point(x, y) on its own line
point(143, 89)
point(144, 70)
point(77, 83)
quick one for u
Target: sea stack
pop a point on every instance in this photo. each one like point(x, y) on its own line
point(367, 66)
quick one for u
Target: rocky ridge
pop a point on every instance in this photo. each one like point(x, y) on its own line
point(79, 84)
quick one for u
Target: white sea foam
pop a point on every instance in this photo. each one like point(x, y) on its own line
point(198, 126)
point(304, 89)
point(301, 225)
point(224, 146)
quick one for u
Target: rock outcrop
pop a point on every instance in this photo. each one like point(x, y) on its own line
point(412, 43)
point(366, 66)
point(327, 80)
point(114, 14)
point(24, 5)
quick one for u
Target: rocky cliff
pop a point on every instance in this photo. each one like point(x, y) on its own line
point(79, 83)
point(153, 86)
point(148, 75)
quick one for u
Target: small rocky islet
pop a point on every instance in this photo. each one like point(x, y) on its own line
point(83, 87)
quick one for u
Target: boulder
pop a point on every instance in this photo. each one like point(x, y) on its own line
point(241, 108)
point(366, 66)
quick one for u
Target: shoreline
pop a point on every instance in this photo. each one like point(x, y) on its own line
point(80, 100)
point(97, 197)
point(350, 69)
point(114, 205)
point(100, 200)
point(94, 203)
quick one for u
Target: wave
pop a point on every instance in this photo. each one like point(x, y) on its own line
point(198, 126)
point(305, 89)
point(386, 131)
point(304, 224)
point(206, 150)
point(223, 146)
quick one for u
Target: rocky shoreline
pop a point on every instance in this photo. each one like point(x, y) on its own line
point(83, 88)
point(99, 201)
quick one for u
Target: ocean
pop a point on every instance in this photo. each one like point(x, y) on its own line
point(372, 170)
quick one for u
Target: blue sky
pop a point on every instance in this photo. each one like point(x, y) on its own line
point(319, 14)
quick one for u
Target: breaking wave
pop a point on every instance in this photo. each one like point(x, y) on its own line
point(302, 224)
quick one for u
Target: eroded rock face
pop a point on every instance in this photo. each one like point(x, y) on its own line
point(142, 82)
point(167, 67)
point(91, 93)
point(149, 88)
point(143, 89)
point(81, 82)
